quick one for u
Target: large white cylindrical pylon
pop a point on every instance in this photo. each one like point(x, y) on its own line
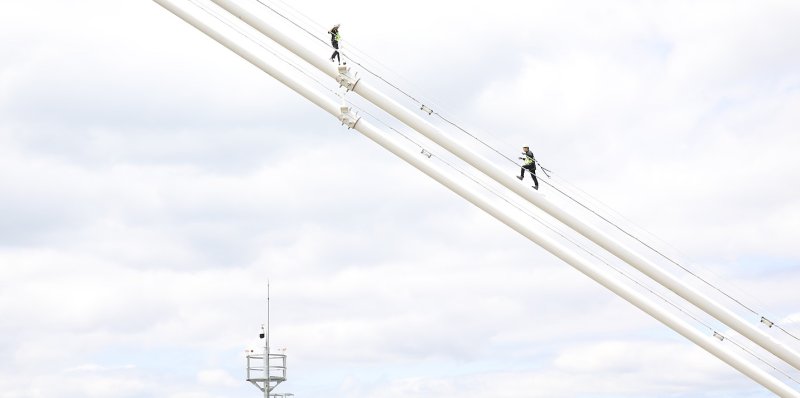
point(599, 237)
point(424, 164)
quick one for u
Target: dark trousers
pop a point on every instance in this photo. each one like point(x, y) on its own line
point(532, 169)
point(335, 52)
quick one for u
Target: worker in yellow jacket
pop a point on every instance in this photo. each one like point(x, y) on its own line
point(335, 37)
point(528, 163)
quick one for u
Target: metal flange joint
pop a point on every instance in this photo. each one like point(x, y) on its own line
point(348, 117)
point(347, 79)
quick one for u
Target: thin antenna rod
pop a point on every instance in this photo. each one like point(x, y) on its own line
point(266, 356)
point(268, 313)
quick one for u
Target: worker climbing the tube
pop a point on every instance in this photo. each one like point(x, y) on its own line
point(528, 163)
point(335, 37)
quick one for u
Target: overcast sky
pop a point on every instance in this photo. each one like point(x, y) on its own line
point(151, 181)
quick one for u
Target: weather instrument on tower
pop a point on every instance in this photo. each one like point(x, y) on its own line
point(266, 370)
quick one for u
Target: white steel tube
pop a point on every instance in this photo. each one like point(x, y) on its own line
point(593, 233)
point(708, 343)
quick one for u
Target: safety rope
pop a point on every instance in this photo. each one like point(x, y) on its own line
point(566, 238)
point(545, 170)
point(486, 187)
point(584, 249)
point(754, 355)
point(670, 259)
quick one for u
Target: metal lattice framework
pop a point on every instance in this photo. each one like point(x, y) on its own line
point(267, 374)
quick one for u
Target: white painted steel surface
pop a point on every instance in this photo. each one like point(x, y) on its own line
point(423, 164)
point(505, 178)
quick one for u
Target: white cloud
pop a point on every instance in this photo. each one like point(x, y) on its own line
point(610, 368)
point(150, 182)
point(216, 377)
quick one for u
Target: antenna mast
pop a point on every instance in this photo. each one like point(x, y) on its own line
point(266, 370)
point(266, 350)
